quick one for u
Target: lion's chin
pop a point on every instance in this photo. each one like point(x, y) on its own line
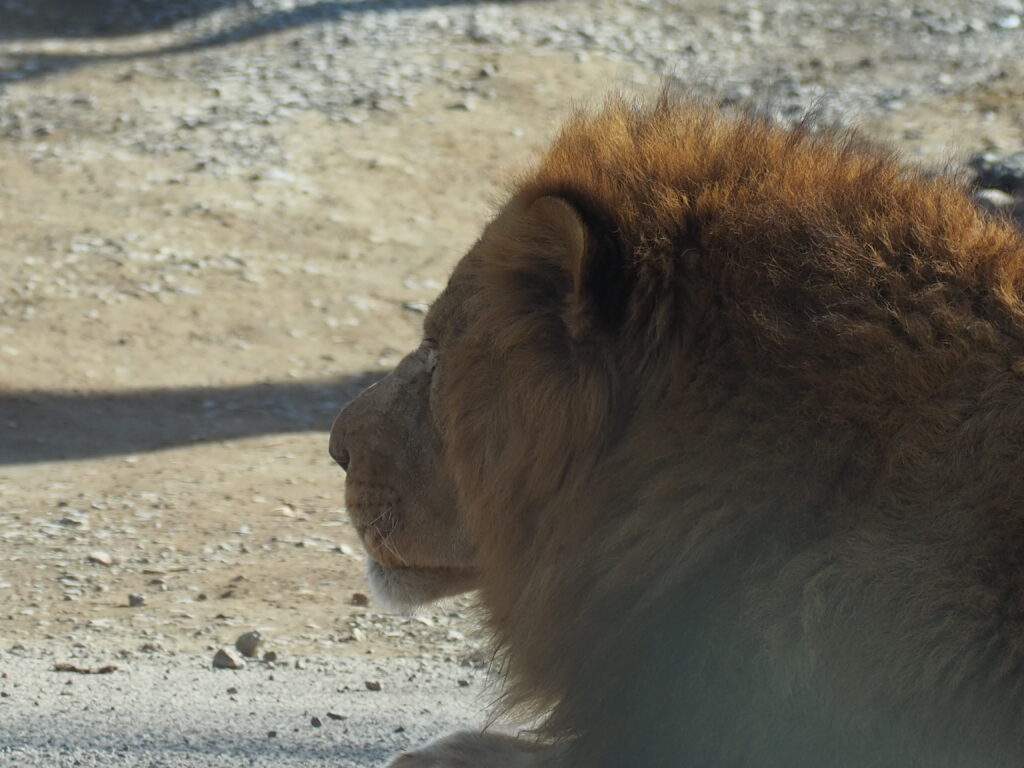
point(404, 588)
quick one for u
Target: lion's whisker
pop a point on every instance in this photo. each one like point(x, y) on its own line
point(385, 541)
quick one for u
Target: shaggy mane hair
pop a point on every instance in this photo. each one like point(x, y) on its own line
point(762, 502)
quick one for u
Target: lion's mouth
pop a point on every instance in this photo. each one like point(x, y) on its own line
point(380, 548)
point(407, 586)
point(398, 577)
point(376, 525)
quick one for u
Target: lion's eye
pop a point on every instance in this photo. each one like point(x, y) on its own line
point(432, 355)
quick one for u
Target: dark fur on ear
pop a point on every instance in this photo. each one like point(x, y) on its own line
point(599, 272)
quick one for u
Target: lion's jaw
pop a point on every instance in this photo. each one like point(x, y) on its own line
point(401, 588)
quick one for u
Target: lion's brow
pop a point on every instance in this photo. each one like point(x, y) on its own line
point(430, 326)
point(436, 320)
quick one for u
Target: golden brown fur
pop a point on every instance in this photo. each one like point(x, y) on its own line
point(734, 418)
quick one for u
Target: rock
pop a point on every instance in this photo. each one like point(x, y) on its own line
point(135, 600)
point(467, 104)
point(359, 599)
point(226, 658)
point(270, 656)
point(476, 659)
point(75, 519)
point(1004, 173)
point(248, 643)
point(373, 685)
point(993, 200)
point(357, 635)
point(419, 307)
point(336, 716)
point(315, 721)
point(69, 667)
point(100, 557)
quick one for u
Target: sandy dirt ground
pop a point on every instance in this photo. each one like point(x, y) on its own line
point(176, 342)
point(178, 328)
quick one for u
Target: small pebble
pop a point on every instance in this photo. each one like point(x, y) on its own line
point(360, 599)
point(248, 643)
point(315, 721)
point(373, 685)
point(135, 600)
point(1005, 173)
point(100, 557)
point(226, 658)
point(993, 200)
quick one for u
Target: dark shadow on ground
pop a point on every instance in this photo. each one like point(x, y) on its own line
point(34, 19)
point(29, 19)
point(55, 426)
point(104, 19)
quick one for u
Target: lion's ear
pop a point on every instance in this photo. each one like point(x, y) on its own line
point(598, 275)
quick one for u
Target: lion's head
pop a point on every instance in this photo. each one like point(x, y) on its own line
point(399, 440)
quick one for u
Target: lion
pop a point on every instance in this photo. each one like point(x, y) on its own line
point(724, 420)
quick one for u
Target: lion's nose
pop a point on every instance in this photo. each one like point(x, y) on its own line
point(337, 445)
point(361, 417)
point(339, 452)
point(342, 458)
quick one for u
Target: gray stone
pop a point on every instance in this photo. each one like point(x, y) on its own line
point(248, 643)
point(1004, 173)
point(100, 557)
point(226, 658)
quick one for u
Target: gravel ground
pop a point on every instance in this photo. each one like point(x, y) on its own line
point(222, 218)
point(150, 713)
point(341, 57)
